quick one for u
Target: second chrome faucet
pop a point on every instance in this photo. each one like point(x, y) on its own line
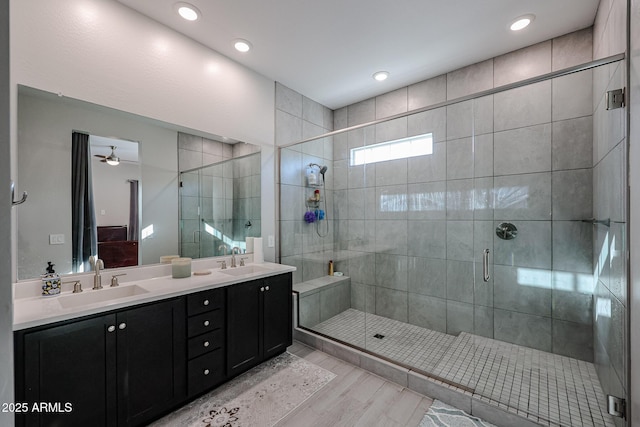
point(97, 265)
point(233, 255)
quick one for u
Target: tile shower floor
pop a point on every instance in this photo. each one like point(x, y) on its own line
point(550, 389)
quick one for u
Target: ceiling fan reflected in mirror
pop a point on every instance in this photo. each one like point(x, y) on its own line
point(111, 159)
point(105, 149)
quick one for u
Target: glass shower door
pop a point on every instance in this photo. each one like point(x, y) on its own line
point(203, 209)
point(190, 214)
point(549, 208)
point(451, 217)
point(207, 207)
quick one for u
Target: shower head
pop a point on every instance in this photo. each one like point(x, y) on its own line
point(323, 169)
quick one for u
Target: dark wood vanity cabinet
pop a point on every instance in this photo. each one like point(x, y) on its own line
point(277, 314)
point(259, 321)
point(72, 363)
point(150, 361)
point(122, 368)
point(129, 367)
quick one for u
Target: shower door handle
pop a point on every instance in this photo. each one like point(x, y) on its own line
point(485, 265)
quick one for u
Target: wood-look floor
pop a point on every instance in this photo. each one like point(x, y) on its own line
point(355, 397)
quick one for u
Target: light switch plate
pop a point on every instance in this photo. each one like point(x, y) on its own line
point(56, 239)
point(271, 241)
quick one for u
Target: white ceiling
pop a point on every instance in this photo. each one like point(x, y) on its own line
point(328, 50)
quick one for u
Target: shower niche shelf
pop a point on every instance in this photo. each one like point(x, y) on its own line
point(313, 203)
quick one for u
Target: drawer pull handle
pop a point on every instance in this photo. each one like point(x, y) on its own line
point(262, 289)
point(122, 325)
point(206, 344)
point(206, 372)
point(206, 302)
point(206, 323)
point(111, 328)
point(266, 288)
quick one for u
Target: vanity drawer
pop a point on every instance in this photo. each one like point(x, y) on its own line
point(205, 372)
point(205, 343)
point(205, 322)
point(205, 301)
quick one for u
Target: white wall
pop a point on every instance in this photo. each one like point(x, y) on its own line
point(111, 191)
point(104, 52)
point(634, 201)
point(6, 309)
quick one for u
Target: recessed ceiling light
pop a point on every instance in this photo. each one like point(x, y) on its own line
point(522, 22)
point(381, 75)
point(187, 11)
point(242, 45)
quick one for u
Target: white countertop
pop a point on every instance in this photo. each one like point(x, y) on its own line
point(30, 310)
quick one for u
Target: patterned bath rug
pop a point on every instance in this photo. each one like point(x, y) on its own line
point(261, 396)
point(443, 415)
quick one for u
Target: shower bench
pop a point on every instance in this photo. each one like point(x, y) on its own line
point(322, 298)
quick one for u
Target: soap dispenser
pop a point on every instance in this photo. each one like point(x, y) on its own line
point(50, 282)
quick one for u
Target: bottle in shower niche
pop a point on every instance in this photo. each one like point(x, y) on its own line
point(330, 268)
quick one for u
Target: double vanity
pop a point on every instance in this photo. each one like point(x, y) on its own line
point(126, 355)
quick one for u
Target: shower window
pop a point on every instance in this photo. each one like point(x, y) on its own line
point(414, 146)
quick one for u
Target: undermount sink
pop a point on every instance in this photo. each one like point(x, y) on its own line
point(101, 295)
point(241, 271)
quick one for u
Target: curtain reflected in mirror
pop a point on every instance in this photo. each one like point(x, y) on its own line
point(134, 221)
point(105, 178)
point(83, 217)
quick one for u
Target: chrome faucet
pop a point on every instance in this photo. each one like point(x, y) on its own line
point(233, 255)
point(98, 265)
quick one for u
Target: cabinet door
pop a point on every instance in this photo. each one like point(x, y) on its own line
point(277, 314)
point(151, 360)
point(244, 336)
point(71, 365)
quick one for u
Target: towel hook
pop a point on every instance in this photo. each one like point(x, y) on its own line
point(13, 200)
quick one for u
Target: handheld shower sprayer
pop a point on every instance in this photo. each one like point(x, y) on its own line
point(323, 169)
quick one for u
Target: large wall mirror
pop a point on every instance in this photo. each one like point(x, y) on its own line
point(145, 184)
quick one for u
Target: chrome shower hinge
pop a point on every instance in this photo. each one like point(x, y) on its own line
point(615, 99)
point(616, 406)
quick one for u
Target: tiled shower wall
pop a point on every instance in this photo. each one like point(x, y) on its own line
point(532, 167)
point(298, 118)
point(610, 184)
point(425, 282)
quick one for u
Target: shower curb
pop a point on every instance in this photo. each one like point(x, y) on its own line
point(449, 394)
